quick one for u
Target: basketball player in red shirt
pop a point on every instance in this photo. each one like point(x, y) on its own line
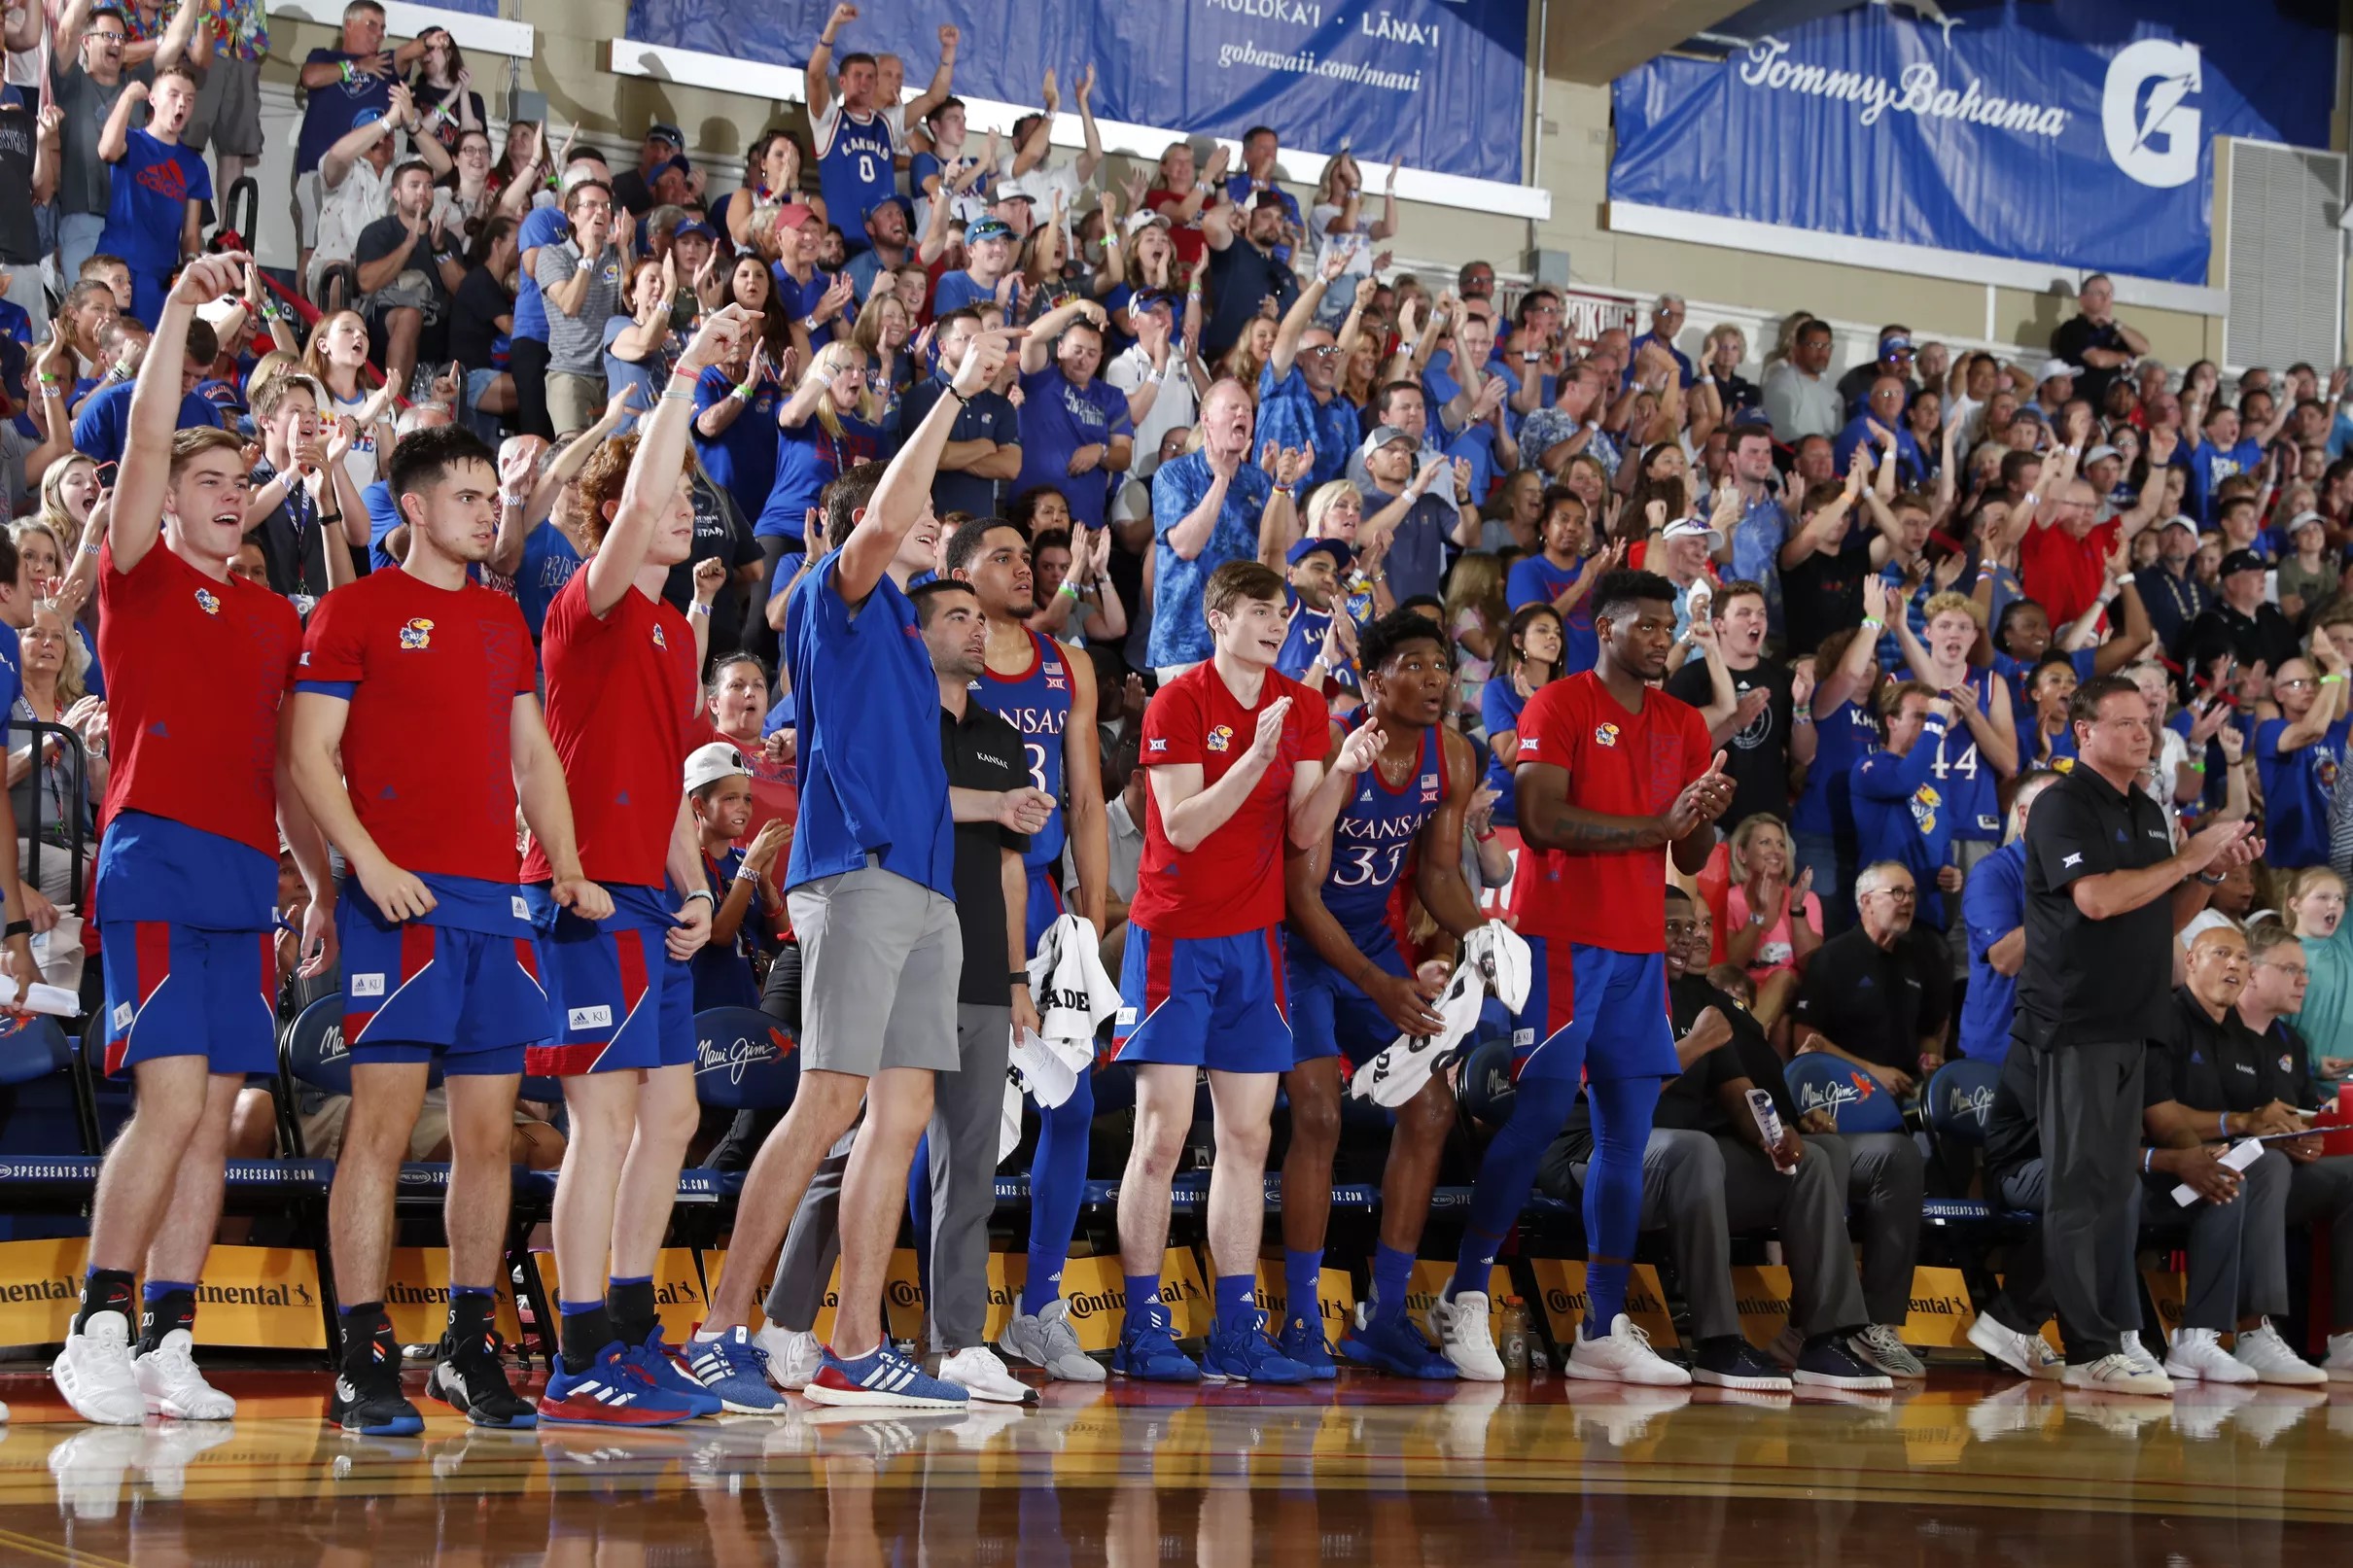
point(199, 662)
point(1611, 772)
point(416, 730)
point(1236, 750)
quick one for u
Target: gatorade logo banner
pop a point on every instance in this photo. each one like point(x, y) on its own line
point(2079, 135)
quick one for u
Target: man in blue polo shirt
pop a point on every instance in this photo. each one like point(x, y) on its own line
point(1209, 506)
point(871, 890)
point(1299, 402)
point(984, 448)
point(1076, 435)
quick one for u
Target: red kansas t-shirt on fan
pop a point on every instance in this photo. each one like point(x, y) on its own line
point(1233, 883)
point(1621, 764)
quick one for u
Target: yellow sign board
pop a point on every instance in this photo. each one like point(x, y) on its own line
point(1097, 1297)
point(1761, 1296)
point(40, 1289)
point(2167, 1292)
point(266, 1296)
point(1561, 1284)
point(1009, 1274)
point(1336, 1296)
point(1429, 1278)
point(1941, 1314)
point(417, 1295)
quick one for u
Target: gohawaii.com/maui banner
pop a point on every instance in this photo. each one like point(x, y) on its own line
point(1435, 85)
point(2078, 133)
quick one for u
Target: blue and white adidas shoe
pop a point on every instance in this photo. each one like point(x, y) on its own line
point(1147, 1349)
point(662, 1371)
point(883, 1378)
point(611, 1392)
point(1240, 1353)
point(734, 1371)
point(1302, 1340)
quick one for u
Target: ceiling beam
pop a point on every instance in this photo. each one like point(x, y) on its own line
point(1596, 41)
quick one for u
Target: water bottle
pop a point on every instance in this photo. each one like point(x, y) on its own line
point(1515, 1335)
point(1768, 1123)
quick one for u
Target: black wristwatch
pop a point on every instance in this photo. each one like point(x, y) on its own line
point(2209, 878)
point(1019, 977)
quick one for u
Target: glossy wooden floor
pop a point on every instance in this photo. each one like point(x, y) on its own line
point(1970, 1470)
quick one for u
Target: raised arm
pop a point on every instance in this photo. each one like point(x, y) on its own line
point(816, 79)
point(154, 409)
point(659, 466)
point(115, 139)
point(942, 79)
point(904, 494)
point(1301, 316)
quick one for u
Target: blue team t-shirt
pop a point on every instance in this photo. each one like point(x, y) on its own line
point(548, 563)
point(1994, 904)
point(154, 182)
point(742, 459)
point(1499, 708)
point(808, 457)
point(956, 290)
point(330, 113)
point(102, 429)
point(866, 710)
point(1535, 579)
point(1058, 417)
point(2297, 786)
point(542, 226)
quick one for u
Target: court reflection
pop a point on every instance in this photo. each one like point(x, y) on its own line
point(1968, 1470)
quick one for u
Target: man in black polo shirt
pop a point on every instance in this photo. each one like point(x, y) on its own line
point(1706, 1169)
point(2105, 892)
point(2240, 621)
point(1245, 269)
point(984, 448)
point(996, 810)
point(1879, 995)
point(2211, 1080)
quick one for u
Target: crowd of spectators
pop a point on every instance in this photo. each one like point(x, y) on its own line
point(1891, 577)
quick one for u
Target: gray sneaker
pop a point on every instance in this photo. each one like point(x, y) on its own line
point(1885, 1349)
point(1044, 1339)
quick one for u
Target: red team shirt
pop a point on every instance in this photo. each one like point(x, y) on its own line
point(196, 671)
point(1621, 764)
point(432, 677)
point(1233, 883)
point(621, 696)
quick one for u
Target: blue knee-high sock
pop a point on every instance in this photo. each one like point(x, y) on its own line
point(1506, 1175)
point(1233, 1295)
point(1392, 1275)
point(919, 1211)
point(1613, 1192)
point(1302, 1283)
point(1144, 1296)
point(1058, 1179)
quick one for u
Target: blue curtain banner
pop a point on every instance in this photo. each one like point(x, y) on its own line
point(1435, 85)
point(2078, 133)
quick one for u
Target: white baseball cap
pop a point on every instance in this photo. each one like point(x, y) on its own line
point(707, 764)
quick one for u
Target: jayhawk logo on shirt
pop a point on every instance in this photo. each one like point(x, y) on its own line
point(418, 634)
point(1924, 802)
point(1605, 735)
point(1221, 738)
point(206, 603)
point(659, 640)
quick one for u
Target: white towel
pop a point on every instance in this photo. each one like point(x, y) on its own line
point(1495, 963)
point(1073, 995)
point(1044, 1071)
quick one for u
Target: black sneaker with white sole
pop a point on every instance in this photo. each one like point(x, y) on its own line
point(1731, 1362)
point(1825, 1362)
point(371, 1405)
point(473, 1379)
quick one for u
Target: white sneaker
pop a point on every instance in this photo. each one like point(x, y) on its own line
point(95, 1372)
point(2119, 1373)
point(2198, 1354)
point(1464, 1334)
point(979, 1371)
point(791, 1357)
point(2338, 1366)
point(172, 1387)
point(2030, 1355)
point(2262, 1348)
point(1623, 1355)
point(2136, 1351)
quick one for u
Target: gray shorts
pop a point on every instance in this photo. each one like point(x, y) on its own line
point(880, 956)
point(228, 110)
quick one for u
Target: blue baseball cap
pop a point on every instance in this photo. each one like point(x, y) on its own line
point(988, 229)
point(1337, 549)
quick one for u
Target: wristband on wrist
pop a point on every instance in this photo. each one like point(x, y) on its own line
point(1019, 977)
point(347, 72)
point(696, 606)
point(1067, 588)
point(1871, 623)
point(15, 928)
point(2336, 679)
point(744, 873)
point(2147, 1154)
point(2221, 1125)
point(703, 893)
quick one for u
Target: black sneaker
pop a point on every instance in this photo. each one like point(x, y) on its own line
point(1825, 1362)
point(473, 1379)
point(1730, 1362)
point(372, 1406)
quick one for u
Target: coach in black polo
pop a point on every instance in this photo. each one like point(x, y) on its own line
point(2105, 892)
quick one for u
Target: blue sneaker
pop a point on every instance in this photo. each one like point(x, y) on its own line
point(734, 1371)
point(612, 1392)
point(660, 1369)
point(1302, 1340)
point(1148, 1350)
point(880, 1377)
point(1240, 1353)
point(1392, 1344)
point(657, 1367)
